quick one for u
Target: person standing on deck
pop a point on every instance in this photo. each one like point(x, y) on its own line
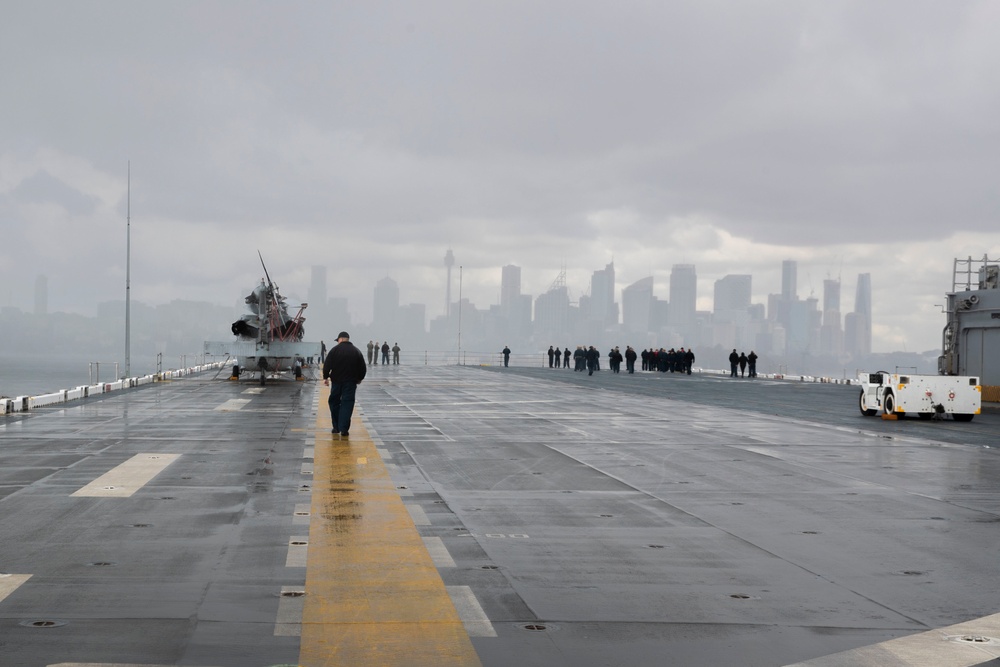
point(343, 370)
point(371, 346)
point(630, 357)
point(395, 354)
point(385, 353)
point(506, 356)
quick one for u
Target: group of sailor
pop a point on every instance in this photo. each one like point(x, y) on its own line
point(587, 358)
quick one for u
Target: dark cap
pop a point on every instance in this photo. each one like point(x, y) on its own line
point(344, 334)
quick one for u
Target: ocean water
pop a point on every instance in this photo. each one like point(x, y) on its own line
point(34, 374)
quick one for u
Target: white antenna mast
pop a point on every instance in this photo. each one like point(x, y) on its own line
point(128, 271)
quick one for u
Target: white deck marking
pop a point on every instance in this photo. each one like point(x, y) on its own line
point(10, 583)
point(127, 478)
point(417, 514)
point(298, 547)
point(966, 644)
point(232, 405)
point(302, 514)
point(475, 620)
point(439, 552)
point(288, 622)
point(104, 664)
point(253, 391)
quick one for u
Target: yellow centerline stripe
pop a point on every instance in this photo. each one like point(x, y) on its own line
point(373, 593)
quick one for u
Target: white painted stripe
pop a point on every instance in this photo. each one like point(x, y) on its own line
point(288, 622)
point(302, 512)
point(417, 514)
point(253, 390)
point(476, 623)
point(297, 552)
point(384, 453)
point(103, 664)
point(966, 644)
point(10, 583)
point(439, 552)
point(307, 468)
point(127, 478)
point(309, 453)
point(232, 405)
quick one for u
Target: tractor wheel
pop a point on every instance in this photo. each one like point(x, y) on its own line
point(863, 405)
point(889, 403)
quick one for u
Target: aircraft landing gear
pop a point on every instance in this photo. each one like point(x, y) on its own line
point(262, 367)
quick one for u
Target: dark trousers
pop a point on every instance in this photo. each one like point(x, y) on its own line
point(732, 371)
point(342, 404)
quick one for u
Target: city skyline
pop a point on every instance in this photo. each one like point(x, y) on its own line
point(732, 306)
point(804, 325)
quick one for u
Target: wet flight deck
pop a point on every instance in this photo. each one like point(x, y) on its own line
point(497, 517)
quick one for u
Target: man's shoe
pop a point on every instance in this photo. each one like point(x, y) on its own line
point(343, 433)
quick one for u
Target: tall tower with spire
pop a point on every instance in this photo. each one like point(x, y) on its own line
point(449, 261)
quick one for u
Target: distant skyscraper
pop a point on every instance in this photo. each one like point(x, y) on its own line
point(41, 295)
point(552, 312)
point(731, 311)
point(831, 301)
point(732, 293)
point(602, 296)
point(831, 334)
point(386, 304)
point(683, 296)
point(789, 280)
point(862, 343)
point(319, 317)
point(804, 320)
point(637, 306)
point(510, 288)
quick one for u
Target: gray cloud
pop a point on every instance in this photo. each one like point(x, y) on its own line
point(372, 136)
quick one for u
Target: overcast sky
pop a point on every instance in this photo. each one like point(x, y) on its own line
point(852, 136)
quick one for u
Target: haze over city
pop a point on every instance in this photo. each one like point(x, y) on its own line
point(848, 137)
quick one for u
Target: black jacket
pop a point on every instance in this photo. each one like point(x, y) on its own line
point(345, 363)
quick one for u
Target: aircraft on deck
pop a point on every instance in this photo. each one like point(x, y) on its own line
point(269, 340)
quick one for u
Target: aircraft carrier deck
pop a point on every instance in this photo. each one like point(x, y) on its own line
point(497, 517)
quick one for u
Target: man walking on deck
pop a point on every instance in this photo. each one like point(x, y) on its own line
point(343, 371)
